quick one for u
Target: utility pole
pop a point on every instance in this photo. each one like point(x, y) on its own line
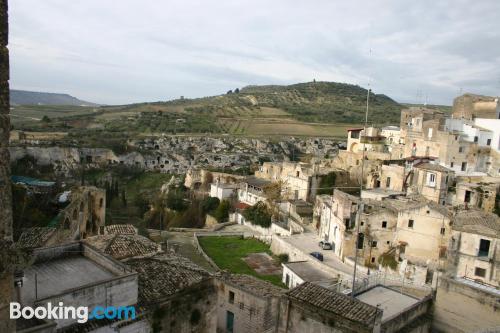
point(360, 206)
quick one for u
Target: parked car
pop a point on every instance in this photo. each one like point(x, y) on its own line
point(325, 245)
point(317, 255)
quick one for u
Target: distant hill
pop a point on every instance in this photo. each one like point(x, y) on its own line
point(326, 101)
point(23, 97)
point(307, 109)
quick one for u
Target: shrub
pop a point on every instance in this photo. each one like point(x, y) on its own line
point(222, 211)
point(258, 214)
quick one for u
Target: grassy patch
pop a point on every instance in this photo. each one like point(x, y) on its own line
point(228, 253)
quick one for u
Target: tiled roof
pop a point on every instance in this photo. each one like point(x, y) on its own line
point(164, 275)
point(433, 167)
point(252, 285)
point(35, 237)
point(123, 229)
point(124, 246)
point(339, 304)
point(477, 222)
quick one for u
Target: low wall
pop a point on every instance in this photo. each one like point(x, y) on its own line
point(216, 227)
point(463, 308)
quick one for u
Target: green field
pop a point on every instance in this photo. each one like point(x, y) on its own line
point(228, 253)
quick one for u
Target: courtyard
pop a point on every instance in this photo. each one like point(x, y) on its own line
point(243, 256)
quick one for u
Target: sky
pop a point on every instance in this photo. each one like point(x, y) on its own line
point(125, 51)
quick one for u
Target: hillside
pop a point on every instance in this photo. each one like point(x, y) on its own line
point(307, 109)
point(326, 101)
point(24, 97)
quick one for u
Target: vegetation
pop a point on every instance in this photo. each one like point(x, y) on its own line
point(221, 214)
point(313, 108)
point(258, 214)
point(228, 253)
point(327, 183)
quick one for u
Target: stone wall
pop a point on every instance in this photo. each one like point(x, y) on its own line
point(6, 283)
point(462, 308)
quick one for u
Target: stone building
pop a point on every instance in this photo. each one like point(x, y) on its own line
point(467, 295)
point(470, 106)
point(90, 279)
point(85, 214)
point(246, 304)
point(300, 179)
point(311, 308)
point(475, 247)
point(481, 194)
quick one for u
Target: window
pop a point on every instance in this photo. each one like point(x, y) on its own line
point(431, 179)
point(410, 223)
point(484, 248)
point(460, 149)
point(464, 166)
point(231, 297)
point(481, 272)
point(442, 231)
point(388, 182)
point(373, 260)
point(384, 224)
point(361, 239)
point(456, 137)
point(488, 142)
point(388, 242)
point(242, 305)
point(374, 243)
point(451, 164)
point(476, 139)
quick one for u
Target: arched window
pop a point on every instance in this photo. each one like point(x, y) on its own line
point(101, 202)
point(75, 214)
point(81, 207)
point(66, 224)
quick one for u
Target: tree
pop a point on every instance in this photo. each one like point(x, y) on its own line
point(327, 183)
point(274, 193)
point(229, 92)
point(209, 204)
point(124, 199)
point(222, 211)
point(258, 214)
point(46, 119)
point(237, 90)
point(175, 200)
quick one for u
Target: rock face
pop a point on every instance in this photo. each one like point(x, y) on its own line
point(179, 154)
point(6, 257)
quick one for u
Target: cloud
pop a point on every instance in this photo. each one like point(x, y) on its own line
point(132, 51)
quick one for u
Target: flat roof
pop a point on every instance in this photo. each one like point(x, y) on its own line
point(308, 272)
point(388, 300)
point(60, 275)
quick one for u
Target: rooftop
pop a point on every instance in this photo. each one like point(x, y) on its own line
point(35, 237)
point(477, 222)
point(308, 272)
point(124, 246)
point(253, 285)
point(433, 167)
point(257, 182)
point(123, 229)
point(164, 275)
point(61, 275)
point(390, 301)
point(336, 303)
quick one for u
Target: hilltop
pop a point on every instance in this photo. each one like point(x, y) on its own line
point(24, 97)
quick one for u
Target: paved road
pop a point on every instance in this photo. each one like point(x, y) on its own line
point(308, 242)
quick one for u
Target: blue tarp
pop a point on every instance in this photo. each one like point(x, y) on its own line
point(31, 181)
